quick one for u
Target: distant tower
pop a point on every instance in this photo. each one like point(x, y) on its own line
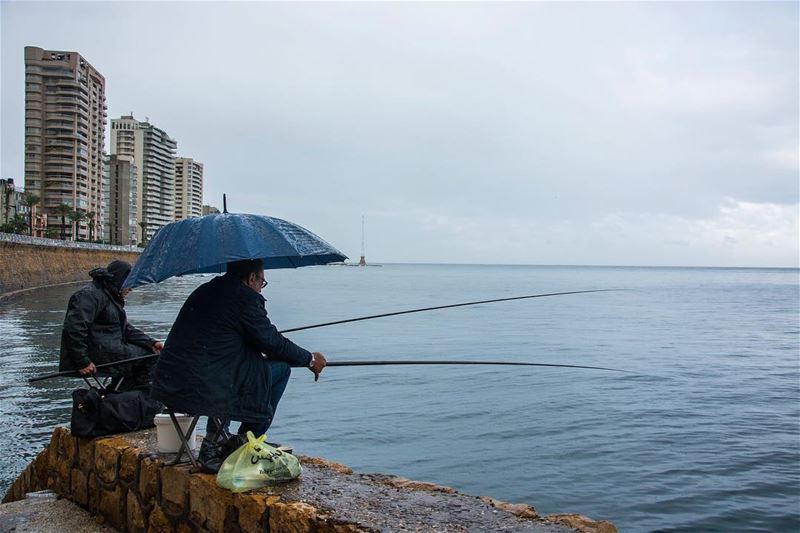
point(363, 261)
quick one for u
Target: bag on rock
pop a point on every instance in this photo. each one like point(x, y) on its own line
point(256, 464)
point(99, 412)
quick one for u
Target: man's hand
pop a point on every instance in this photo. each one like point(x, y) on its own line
point(88, 370)
point(318, 362)
point(157, 347)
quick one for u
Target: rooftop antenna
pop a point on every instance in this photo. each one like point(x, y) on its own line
point(362, 262)
point(224, 204)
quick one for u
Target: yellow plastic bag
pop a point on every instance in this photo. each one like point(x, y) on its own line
point(257, 464)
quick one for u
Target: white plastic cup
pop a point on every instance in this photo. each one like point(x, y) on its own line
point(168, 439)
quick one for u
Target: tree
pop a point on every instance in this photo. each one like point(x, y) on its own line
point(30, 200)
point(63, 210)
point(75, 218)
point(143, 225)
point(90, 216)
point(17, 224)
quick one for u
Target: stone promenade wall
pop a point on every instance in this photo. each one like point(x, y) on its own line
point(137, 493)
point(128, 487)
point(27, 262)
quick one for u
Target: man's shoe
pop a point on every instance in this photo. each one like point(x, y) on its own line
point(211, 456)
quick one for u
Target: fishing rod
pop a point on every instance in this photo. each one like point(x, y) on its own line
point(421, 309)
point(75, 373)
point(66, 373)
point(451, 362)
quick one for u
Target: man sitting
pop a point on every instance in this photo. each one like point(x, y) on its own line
point(224, 358)
point(96, 331)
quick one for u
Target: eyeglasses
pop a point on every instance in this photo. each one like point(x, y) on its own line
point(264, 282)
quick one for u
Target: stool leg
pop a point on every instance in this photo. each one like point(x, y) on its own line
point(184, 439)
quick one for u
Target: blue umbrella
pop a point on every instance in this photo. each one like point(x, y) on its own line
point(207, 244)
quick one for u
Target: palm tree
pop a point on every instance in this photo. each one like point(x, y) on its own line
point(90, 217)
point(143, 225)
point(76, 217)
point(63, 210)
point(30, 200)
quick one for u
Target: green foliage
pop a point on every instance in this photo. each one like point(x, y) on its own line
point(16, 224)
point(29, 199)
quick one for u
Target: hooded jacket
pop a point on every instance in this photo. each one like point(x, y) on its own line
point(212, 362)
point(96, 328)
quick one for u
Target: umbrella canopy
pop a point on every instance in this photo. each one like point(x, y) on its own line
point(207, 244)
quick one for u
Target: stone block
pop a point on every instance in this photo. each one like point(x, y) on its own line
point(135, 514)
point(94, 493)
point(252, 511)
point(54, 449)
point(208, 503)
point(158, 522)
point(174, 485)
point(86, 454)
point(112, 506)
point(128, 465)
point(106, 458)
point(80, 487)
point(148, 480)
point(185, 527)
point(582, 523)
point(295, 517)
point(521, 510)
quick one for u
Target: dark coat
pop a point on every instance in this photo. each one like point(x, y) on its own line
point(96, 328)
point(212, 361)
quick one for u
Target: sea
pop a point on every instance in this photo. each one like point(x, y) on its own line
point(701, 432)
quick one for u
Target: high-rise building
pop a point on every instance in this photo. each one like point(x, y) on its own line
point(120, 224)
point(65, 117)
point(188, 188)
point(153, 154)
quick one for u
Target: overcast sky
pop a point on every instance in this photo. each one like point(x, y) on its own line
point(539, 133)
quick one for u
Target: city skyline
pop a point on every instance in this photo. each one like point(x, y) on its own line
point(665, 134)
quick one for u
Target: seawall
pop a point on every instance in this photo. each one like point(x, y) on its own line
point(29, 262)
point(126, 484)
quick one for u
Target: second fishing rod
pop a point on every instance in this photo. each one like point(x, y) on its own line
point(383, 315)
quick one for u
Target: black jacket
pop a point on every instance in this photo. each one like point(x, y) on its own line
point(212, 361)
point(96, 328)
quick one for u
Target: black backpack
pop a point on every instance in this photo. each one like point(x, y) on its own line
point(98, 412)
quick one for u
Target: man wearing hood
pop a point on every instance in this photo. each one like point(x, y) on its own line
point(96, 331)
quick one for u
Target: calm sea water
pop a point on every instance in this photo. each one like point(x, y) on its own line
point(704, 437)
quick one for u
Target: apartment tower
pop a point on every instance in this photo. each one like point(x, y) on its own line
point(188, 188)
point(153, 154)
point(120, 224)
point(65, 117)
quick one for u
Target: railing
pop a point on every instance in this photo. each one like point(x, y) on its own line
point(41, 241)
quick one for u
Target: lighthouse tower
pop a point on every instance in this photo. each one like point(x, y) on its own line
point(363, 261)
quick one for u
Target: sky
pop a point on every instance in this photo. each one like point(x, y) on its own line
point(513, 133)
